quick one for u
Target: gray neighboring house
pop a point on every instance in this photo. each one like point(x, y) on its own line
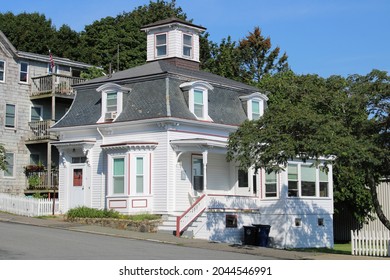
point(153, 139)
point(34, 94)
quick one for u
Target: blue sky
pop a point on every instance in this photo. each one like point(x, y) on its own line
point(322, 37)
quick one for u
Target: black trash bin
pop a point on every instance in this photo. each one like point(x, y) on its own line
point(251, 235)
point(263, 234)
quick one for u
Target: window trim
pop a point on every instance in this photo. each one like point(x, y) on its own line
point(15, 117)
point(197, 157)
point(27, 72)
point(248, 103)
point(156, 46)
point(191, 47)
point(205, 87)
point(107, 89)
point(277, 192)
point(111, 174)
point(13, 166)
point(317, 181)
point(4, 71)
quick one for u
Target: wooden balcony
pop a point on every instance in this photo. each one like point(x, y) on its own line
point(54, 84)
point(38, 180)
point(40, 131)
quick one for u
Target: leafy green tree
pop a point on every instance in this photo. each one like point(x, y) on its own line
point(224, 59)
point(258, 58)
point(344, 120)
point(2, 158)
point(28, 32)
point(92, 73)
point(102, 39)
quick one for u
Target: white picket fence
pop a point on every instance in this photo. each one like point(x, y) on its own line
point(27, 206)
point(370, 243)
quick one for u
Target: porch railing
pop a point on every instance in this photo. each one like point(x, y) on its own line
point(191, 214)
point(40, 130)
point(54, 84)
point(38, 180)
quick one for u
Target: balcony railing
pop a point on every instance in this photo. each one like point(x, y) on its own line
point(40, 131)
point(54, 84)
point(38, 180)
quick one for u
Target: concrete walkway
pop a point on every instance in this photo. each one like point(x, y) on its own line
point(59, 223)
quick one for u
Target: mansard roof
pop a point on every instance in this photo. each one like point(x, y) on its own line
point(156, 93)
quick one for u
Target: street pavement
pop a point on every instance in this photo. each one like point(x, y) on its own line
point(59, 223)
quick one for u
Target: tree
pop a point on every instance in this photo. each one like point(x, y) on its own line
point(344, 120)
point(224, 59)
point(28, 32)
point(258, 58)
point(2, 158)
point(92, 73)
point(102, 39)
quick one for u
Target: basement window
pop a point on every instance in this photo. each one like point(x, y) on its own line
point(231, 221)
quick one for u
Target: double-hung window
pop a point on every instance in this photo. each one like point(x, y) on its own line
point(198, 98)
point(187, 45)
point(2, 71)
point(9, 165)
point(271, 184)
point(197, 173)
point(293, 180)
point(112, 101)
point(199, 103)
point(118, 175)
point(140, 175)
point(308, 180)
point(10, 115)
point(23, 74)
point(324, 185)
point(256, 110)
point(161, 44)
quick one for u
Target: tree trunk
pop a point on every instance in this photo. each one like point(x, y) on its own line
point(378, 208)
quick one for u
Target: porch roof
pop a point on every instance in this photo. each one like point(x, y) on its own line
point(198, 145)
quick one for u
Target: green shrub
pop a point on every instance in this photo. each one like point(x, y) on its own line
point(86, 212)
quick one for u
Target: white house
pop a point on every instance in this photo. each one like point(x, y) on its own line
point(153, 139)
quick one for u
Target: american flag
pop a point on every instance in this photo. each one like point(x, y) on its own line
point(51, 61)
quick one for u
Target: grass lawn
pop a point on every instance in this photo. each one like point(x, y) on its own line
point(339, 248)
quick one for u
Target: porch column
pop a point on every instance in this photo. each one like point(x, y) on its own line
point(53, 98)
point(49, 165)
point(205, 156)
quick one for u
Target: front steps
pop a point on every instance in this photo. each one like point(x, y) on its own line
point(169, 226)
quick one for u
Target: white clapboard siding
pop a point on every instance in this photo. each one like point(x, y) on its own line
point(370, 243)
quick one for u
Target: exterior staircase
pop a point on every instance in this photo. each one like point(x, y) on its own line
point(188, 223)
point(169, 226)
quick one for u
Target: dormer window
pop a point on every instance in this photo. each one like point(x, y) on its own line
point(256, 113)
point(112, 101)
point(187, 45)
point(197, 93)
point(254, 105)
point(161, 44)
point(199, 108)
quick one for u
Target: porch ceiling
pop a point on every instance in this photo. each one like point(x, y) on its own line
point(199, 145)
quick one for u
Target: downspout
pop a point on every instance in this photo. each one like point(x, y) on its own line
point(102, 197)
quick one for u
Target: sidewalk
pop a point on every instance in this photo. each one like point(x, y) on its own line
point(59, 223)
